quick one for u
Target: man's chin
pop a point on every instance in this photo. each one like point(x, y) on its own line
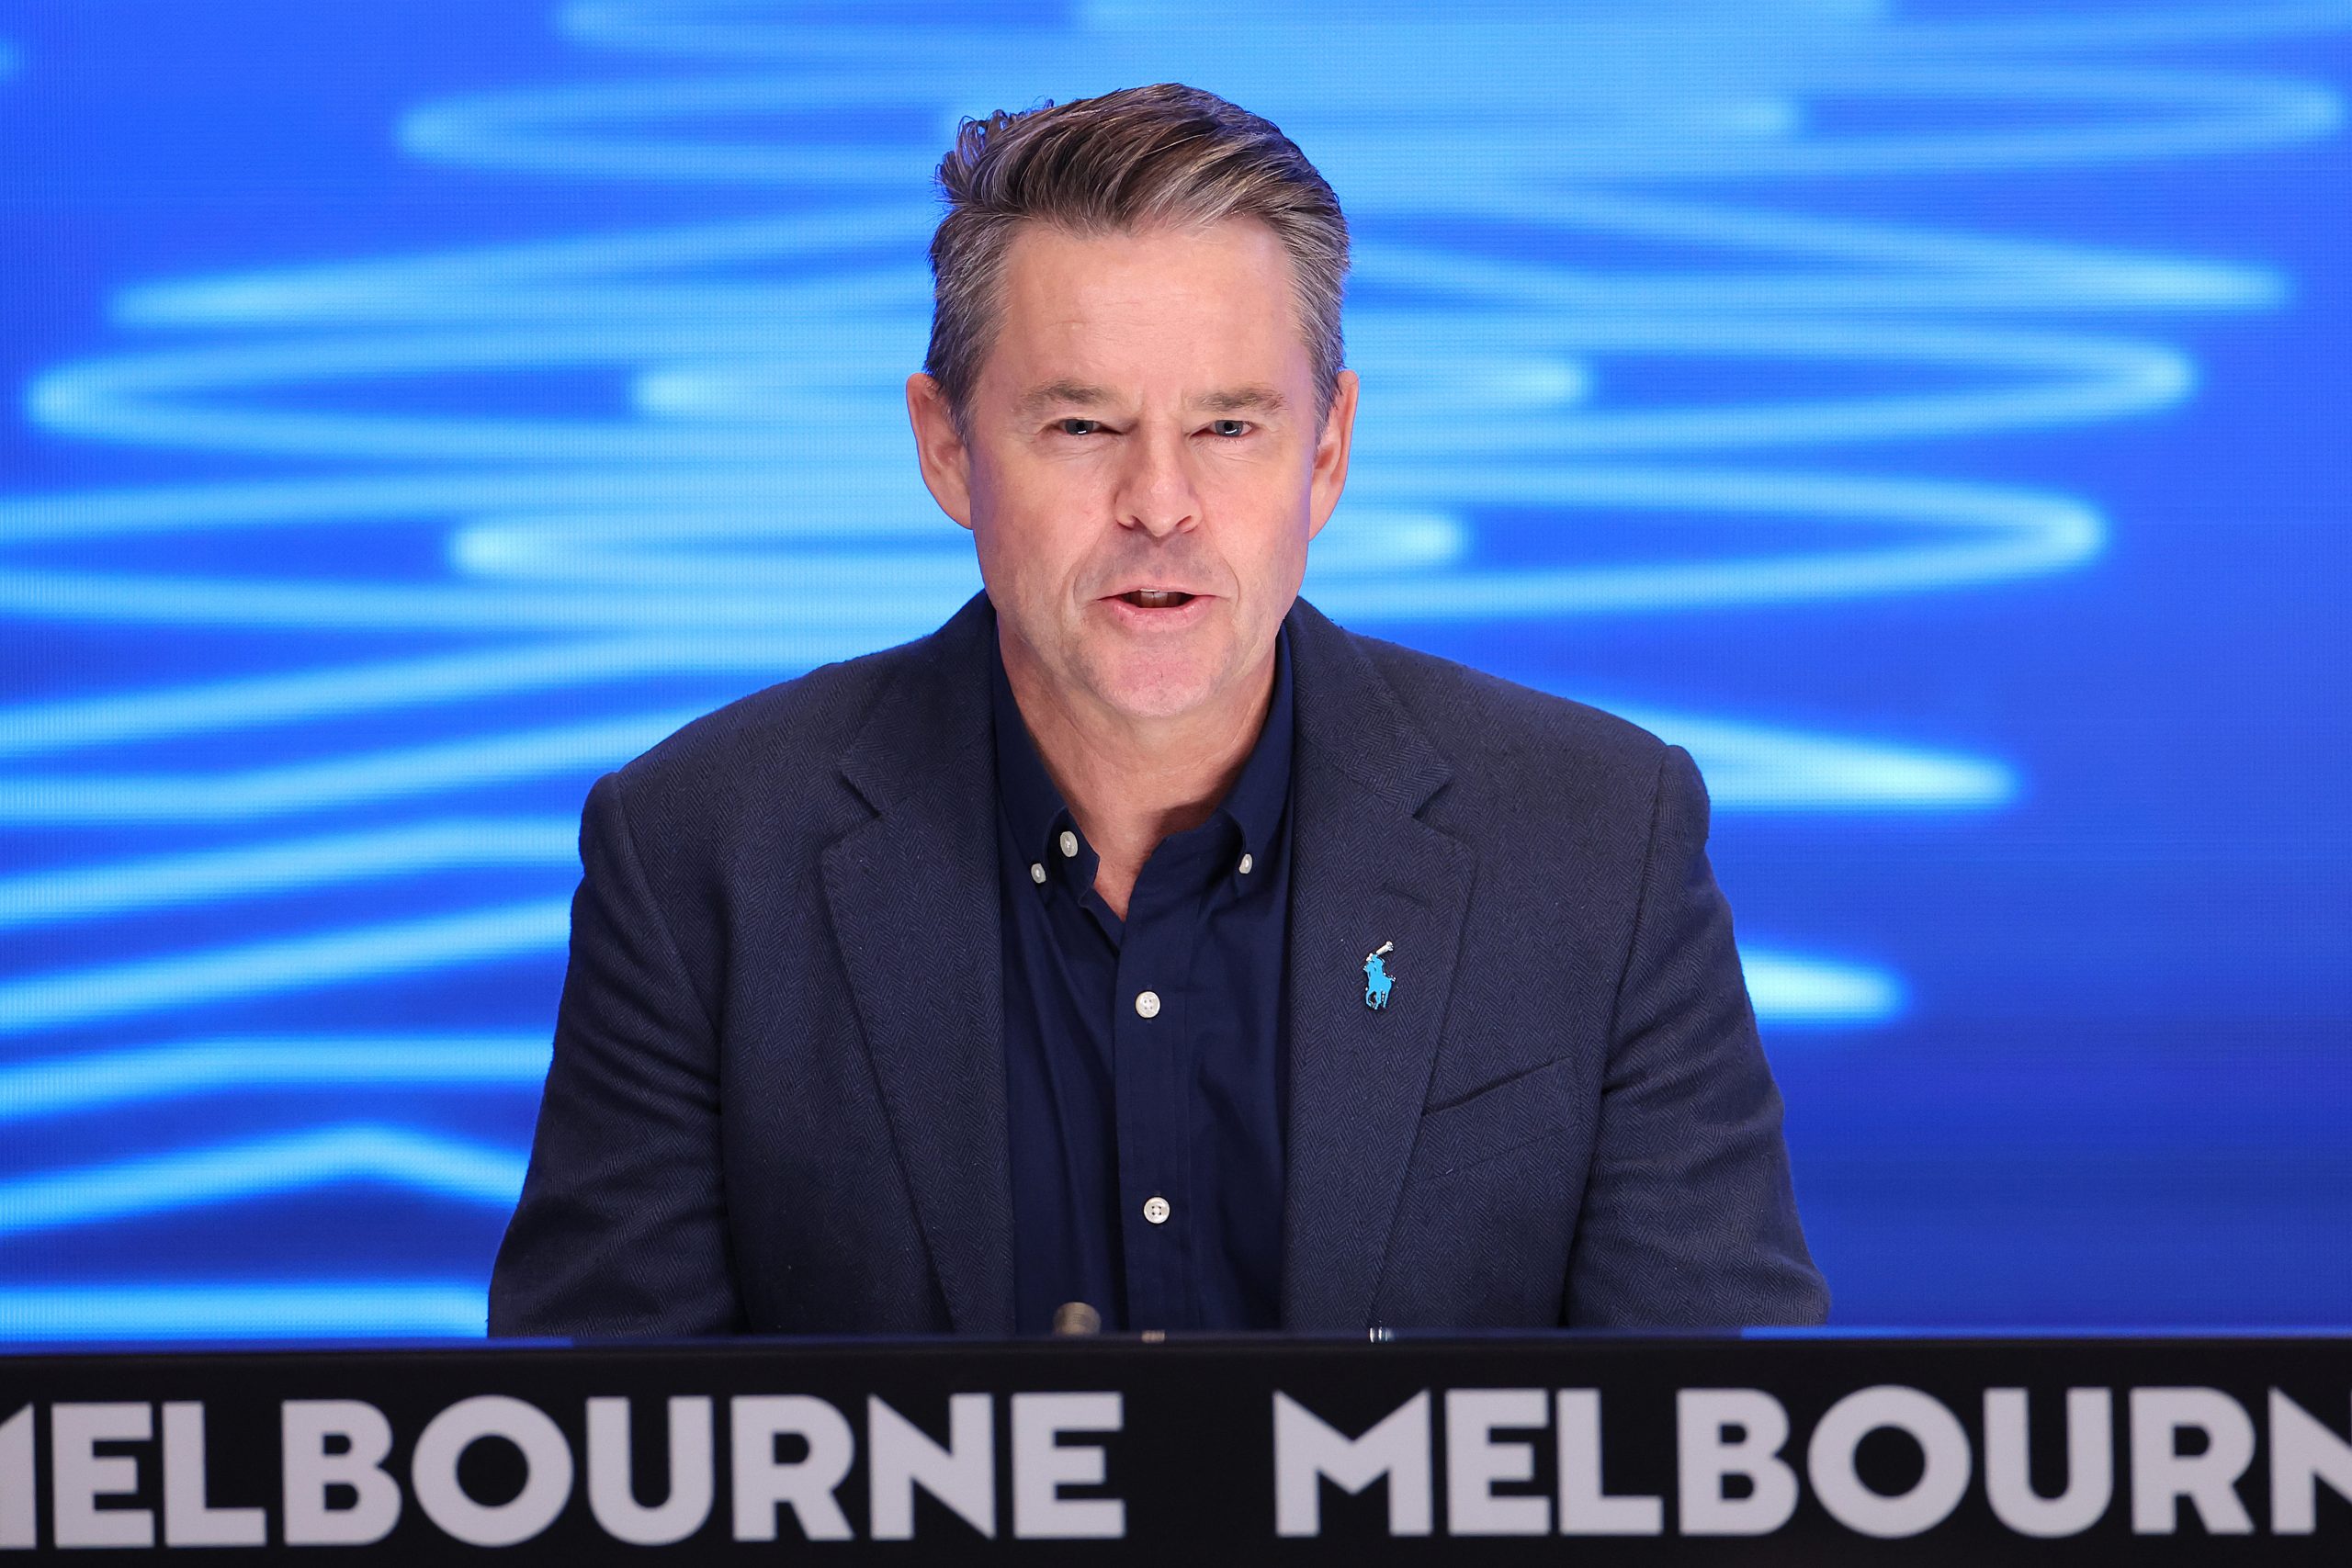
point(1153, 689)
point(1155, 703)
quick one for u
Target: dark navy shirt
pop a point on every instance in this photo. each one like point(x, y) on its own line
point(1145, 1058)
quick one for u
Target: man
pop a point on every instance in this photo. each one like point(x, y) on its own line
point(1141, 942)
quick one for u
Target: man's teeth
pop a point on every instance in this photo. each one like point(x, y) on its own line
point(1156, 598)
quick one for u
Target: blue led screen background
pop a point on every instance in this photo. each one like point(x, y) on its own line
point(1932, 415)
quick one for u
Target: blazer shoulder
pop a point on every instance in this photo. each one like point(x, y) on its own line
point(1481, 718)
point(782, 742)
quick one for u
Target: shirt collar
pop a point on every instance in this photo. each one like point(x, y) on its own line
point(1025, 791)
point(1256, 801)
point(1038, 816)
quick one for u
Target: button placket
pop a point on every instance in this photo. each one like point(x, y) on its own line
point(1153, 1083)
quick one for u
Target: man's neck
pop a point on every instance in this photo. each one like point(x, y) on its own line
point(1130, 783)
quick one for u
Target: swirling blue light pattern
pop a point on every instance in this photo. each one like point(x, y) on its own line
point(1853, 392)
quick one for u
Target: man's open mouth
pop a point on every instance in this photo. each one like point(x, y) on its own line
point(1155, 598)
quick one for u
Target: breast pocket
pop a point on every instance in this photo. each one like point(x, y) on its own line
point(1488, 1210)
point(1494, 1122)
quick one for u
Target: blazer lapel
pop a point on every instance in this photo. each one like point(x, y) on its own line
point(1365, 870)
point(914, 900)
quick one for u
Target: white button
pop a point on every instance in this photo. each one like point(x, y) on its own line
point(1069, 844)
point(1037, 871)
point(1155, 1210)
point(1148, 1003)
point(1246, 863)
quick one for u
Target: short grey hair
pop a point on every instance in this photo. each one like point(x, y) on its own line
point(1124, 161)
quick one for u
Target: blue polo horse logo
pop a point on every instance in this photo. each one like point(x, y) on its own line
point(1377, 980)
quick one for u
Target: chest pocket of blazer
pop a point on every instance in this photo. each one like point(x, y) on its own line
point(1494, 1122)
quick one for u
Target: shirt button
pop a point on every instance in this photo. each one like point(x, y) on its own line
point(1069, 844)
point(1246, 863)
point(1147, 1004)
point(1155, 1210)
point(1037, 872)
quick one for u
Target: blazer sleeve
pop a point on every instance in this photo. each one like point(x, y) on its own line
point(621, 1229)
point(1688, 1216)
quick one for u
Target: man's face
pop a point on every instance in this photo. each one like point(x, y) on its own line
point(1140, 463)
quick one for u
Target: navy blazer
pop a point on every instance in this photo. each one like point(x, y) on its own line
point(777, 1098)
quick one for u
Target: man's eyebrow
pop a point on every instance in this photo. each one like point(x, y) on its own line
point(1252, 397)
point(1238, 400)
point(1061, 394)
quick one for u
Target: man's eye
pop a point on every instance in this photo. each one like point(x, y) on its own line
point(1077, 426)
point(1230, 427)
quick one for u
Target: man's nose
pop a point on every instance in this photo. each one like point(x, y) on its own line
point(1157, 493)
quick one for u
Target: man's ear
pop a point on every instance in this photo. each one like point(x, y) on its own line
point(1330, 473)
point(940, 448)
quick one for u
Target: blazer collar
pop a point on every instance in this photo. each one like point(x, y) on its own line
point(914, 895)
point(1365, 870)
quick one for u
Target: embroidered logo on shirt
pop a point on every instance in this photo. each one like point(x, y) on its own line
point(1377, 980)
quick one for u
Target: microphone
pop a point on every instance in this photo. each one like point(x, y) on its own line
point(1075, 1320)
